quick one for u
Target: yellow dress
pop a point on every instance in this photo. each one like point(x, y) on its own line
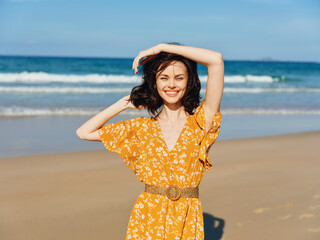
point(141, 145)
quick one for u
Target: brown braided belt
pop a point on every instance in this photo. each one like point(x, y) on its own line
point(173, 192)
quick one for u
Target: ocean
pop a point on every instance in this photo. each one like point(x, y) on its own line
point(43, 100)
point(38, 86)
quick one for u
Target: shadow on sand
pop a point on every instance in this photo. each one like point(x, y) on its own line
point(213, 227)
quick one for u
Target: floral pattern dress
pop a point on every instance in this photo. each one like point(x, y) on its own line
point(141, 145)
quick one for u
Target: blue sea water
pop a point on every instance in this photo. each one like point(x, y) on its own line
point(43, 100)
point(47, 86)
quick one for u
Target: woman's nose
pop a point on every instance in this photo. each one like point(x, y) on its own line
point(172, 82)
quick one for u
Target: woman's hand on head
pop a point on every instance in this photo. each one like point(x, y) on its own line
point(128, 104)
point(148, 53)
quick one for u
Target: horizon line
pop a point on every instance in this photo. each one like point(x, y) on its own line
point(263, 59)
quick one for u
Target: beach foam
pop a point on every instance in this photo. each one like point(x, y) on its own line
point(44, 77)
point(19, 111)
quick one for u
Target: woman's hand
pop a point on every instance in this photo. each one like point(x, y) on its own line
point(128, 104)
point(149, 53)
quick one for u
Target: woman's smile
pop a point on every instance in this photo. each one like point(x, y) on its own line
point(171, 93)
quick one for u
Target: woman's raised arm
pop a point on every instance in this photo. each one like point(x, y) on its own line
point(89, 130)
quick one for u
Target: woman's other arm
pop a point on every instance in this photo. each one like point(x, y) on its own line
point(89, 130)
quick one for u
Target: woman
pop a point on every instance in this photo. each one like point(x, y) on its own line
point(168, 152)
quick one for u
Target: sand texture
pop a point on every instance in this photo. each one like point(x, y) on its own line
point(265, 188)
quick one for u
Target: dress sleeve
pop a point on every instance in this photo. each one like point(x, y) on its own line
point(208, 137)
point(121, 137)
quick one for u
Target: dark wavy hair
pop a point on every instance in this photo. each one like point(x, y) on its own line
point(146, 94)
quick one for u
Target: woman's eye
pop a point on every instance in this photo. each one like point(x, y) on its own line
point(166, 79)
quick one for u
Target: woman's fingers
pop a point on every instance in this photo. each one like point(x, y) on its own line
point(141, 55)
point(149, 53)
point(136, 63)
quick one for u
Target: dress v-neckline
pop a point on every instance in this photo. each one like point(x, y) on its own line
point(162, 136)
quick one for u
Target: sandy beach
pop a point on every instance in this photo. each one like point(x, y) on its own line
point(259, 189)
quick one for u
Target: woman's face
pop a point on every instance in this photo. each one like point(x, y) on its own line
point(172, 82)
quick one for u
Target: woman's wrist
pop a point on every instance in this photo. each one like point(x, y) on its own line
point(122, 104)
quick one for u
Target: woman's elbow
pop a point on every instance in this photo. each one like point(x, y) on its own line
point(94, 136)
point(217, 58)
point(80, 134)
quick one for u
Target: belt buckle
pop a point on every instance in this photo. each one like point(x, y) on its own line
point(173, 192)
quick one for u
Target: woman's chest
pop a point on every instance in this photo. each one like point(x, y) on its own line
point(162, 139)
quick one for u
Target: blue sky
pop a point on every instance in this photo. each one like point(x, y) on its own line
point(242, 29)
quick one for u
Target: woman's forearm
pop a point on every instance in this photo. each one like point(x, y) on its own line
point(203, 56)
point(100, 119)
